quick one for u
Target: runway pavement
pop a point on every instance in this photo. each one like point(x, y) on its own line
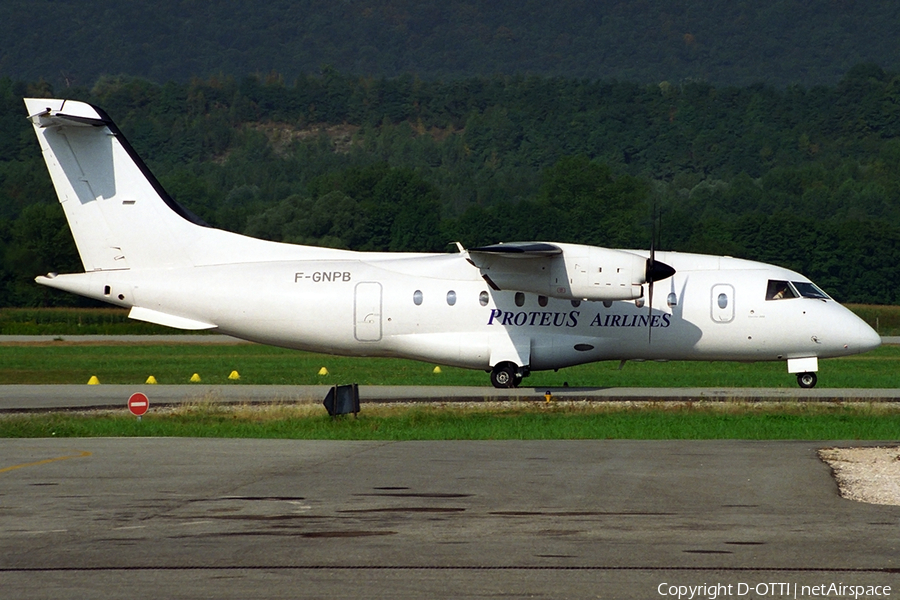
point(19, 398)
point(224, 518)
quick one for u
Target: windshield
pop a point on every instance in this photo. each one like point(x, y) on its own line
point(809, 290)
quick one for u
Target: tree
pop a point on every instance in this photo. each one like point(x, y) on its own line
point(36, 243)
point(584, 203)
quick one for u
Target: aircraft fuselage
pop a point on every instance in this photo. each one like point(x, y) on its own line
point(439, 309)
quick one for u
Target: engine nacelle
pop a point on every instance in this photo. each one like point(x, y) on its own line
point(592, 273)
point(569, 271)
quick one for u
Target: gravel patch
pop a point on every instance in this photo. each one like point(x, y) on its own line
point(866, 474)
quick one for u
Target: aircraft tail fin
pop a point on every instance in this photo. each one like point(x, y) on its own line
point(120, 216)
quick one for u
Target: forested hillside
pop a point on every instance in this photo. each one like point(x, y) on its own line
point(803, 177)
point(724, 42)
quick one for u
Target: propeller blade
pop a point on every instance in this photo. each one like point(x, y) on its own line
point(656, 271)
point(651, 267)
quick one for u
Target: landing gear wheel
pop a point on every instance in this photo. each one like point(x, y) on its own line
point(807, 380)
point(505, 375)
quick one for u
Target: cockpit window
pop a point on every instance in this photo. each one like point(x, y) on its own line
point(779, 290)
point(809, 290)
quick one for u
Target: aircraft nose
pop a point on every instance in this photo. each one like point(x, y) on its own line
point(859, 337)
point(868, 338)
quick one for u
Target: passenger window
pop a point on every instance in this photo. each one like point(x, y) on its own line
point(722, 301)
point(542, 301)
point(483, 298)
point(451, 297)
point(417, 297)
point(779, 290)
point(520, 299)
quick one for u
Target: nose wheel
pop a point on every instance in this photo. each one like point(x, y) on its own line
point(807, 380)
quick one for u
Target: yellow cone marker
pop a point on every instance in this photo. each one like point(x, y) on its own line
point(234, 376)
point(93, 380)
point(437, 370)
point(195, 378)
point(323, 371)
point(151, 379)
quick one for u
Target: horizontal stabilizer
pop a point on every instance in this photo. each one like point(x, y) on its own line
point(49, 118)
point(159, 318)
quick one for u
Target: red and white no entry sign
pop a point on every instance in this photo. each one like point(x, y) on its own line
point(138, 404)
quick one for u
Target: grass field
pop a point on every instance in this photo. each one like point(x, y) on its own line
point(75, 363)
point(497, 421)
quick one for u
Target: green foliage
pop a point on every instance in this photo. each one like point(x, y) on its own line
point(37, 242)
point(583, 201)
point(74, 321)
point(729, 43)
point(804, 178)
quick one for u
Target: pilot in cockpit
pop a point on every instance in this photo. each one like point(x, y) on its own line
point(778, 290)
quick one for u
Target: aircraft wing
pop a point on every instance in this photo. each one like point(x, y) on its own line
point(569, 271)
point(519, 250)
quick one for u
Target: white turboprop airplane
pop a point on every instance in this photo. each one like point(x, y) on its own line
point(508, 308)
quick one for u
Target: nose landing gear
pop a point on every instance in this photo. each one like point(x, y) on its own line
point(807, 380)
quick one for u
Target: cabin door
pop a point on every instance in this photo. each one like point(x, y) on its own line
point(367, 311)
point(722, 299)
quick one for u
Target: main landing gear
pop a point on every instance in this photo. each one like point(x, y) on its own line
point(807, 380)
point(507, 375)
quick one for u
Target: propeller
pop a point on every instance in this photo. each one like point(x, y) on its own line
point(656, 271)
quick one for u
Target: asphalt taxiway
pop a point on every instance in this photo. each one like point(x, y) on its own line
point(224, 518)
point(24, 398)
